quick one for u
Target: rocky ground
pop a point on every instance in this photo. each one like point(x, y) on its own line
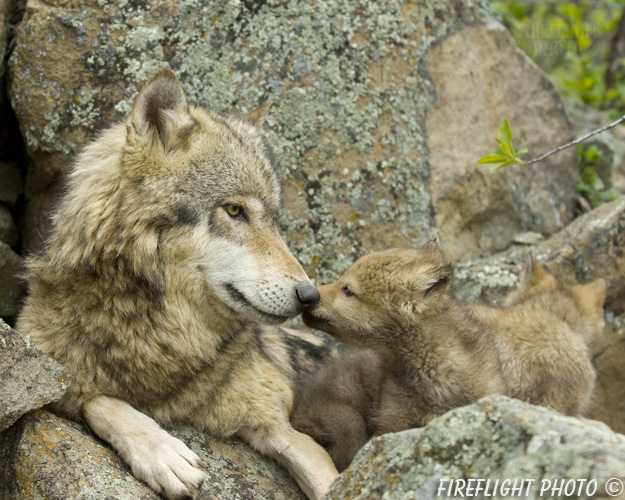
point(380, 110)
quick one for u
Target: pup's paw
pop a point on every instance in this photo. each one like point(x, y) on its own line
point(167, 465)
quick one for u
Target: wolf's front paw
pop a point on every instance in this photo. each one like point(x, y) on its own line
point(167, 465)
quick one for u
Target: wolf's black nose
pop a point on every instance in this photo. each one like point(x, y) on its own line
point(307, 295)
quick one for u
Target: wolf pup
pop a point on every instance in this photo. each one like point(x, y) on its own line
point(438, 354)
point(338, 404)
point(163, 265)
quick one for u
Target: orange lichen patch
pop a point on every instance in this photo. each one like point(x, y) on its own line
point(40, 450)
point(47, 439)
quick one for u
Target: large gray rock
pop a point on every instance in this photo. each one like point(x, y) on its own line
point(587, 249)
point(476, 212)
point(380, 111)
point(45, 457)
point(28, 378)
point(494, 439)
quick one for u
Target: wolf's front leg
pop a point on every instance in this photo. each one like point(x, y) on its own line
point(308, 463)
point(155, 456)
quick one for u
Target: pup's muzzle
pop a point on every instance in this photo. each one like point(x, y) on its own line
point(307, 295)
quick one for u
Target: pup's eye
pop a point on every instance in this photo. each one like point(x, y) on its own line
point(236, 212)
point(347, 291)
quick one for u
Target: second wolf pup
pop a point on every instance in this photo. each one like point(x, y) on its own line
point(437, 353)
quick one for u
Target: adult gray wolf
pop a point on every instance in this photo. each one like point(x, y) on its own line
point(437, 353)
point(161, 270)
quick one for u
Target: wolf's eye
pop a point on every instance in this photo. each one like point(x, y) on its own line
point(236, 212)
point(347, 291)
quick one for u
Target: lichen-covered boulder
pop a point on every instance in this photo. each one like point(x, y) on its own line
point(493, 440)
point(28, 378)
point(380, 111)
point(45, 457)
point(587, 249)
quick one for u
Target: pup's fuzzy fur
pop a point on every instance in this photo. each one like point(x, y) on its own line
point(163, 264)
point(437, 353)
point(338, 405)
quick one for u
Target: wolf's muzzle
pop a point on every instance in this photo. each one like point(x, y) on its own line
point(307, 295)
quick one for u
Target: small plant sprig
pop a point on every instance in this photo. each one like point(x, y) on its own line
point(505, 154)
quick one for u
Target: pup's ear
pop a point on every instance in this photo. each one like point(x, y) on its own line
point(593, 293)
point(258, 115)
point(421, 288)
point(440, 282)
point(432, 247)
point(160, 119)
point(436, 281)
point(532, 273)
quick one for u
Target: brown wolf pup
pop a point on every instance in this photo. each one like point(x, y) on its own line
point(437, 353)
point(156, 286)
point(338, 404)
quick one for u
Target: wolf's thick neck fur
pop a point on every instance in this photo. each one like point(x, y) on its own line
point(160, 285)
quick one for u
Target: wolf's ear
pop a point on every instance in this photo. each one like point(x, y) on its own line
point(160, 116)
point(532, 273)
point(258, 115)
point(538, 273)
point(440, 282)
point(432, 247)
point(593, 293)
point(422, 288)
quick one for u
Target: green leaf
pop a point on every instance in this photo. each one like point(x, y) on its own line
point(494, 168)
point(611, 194)
point(505, 133)
point(508, 151)
point(522, 151)
point(492, 159)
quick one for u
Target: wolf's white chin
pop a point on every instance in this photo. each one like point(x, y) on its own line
point(241, 303)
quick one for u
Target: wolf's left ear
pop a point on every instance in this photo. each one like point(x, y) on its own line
point(160, 116)
point(258, 115)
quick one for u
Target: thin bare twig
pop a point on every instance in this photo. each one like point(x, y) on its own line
point(577, 141)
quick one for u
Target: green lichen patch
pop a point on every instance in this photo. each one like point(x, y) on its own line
point(495, 439)
point(347, 80)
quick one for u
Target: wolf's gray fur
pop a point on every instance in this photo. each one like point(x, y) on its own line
point(162, 268)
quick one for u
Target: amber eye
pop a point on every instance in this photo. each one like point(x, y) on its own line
point(236, 212)
point(233, 210)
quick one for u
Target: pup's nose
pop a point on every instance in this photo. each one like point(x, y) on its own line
point(307, 295)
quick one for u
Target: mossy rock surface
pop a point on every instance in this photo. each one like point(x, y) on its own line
point(497, 438)
point(45, 457)
point(380, 111)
